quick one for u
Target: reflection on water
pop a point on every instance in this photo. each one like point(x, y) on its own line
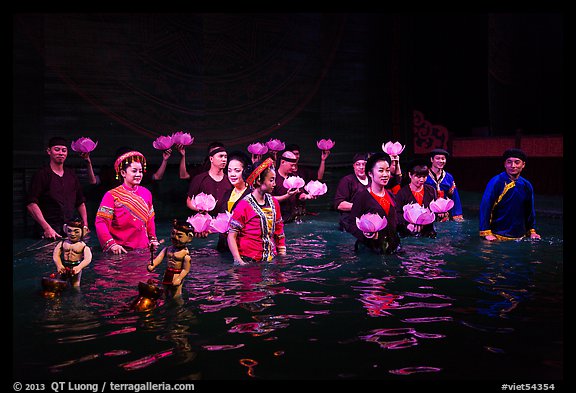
point(454, 306)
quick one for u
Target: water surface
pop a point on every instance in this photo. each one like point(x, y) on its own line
point(454, 307)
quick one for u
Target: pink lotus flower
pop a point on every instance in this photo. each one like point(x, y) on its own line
point(203, 202)
point(293, 182)
point(200, 222)
point(182, 138)
point(371, 222)
point(325, 144)
point(316, 188)
point(418, 215)
point(83, 145)
point(221, 223)
point(275, 144)
point(163, 142)
point(258, 148)
point(441, 205)
point(393, 148)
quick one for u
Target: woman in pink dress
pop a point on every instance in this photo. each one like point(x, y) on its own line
point(256, 228)
point(125, 217)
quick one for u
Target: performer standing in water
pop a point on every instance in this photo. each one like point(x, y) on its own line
point(376, 199)
point(507, 206)
point(256, 228)
point(125, 217)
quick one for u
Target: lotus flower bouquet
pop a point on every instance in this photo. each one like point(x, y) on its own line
point(325, 144)
point(163, 142)
point(182, 138)
point(203, 202)
point(417, 215)
point(221, 223)
point(275, 145)
point(371, 223)
point(441, 205)
point(200, 222)
point(293, 182)
point(258, 148)
point(393, 148)
point(83, 145)
point(316, 188)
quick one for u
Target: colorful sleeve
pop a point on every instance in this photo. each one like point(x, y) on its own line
point(279, 226)
point(457, 208)
point(151, 224)
point(103, 221)
point(238, 219)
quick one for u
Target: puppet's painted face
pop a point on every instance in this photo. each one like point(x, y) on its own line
point(180, 238)
point(74, 234)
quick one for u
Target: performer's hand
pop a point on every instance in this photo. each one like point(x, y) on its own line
point(118, 249)
point(256, 157)
point(371, 235)
point(86, 157)
point(51, 234)
point(414, 228)
point(154, 244)
point(201, 234)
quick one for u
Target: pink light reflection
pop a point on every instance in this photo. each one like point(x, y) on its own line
point(412, 370)
point(146, 360)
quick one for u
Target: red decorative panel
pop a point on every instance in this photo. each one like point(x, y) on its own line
point(543, 146)
point(428, 136)
point(481, 147)
point(533, 146)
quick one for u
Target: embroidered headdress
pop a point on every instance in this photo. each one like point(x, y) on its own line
point(127, 159)
point(267, 163)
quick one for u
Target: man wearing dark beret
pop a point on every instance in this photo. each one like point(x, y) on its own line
point(507, 206)
point(444, 182)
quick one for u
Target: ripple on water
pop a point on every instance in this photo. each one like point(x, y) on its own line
point(392, 303)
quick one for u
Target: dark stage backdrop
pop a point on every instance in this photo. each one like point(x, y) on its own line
point(125, 79)
point(237, 78)
point(357, 78)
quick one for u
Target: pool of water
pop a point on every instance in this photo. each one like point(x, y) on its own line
point(454, 307)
